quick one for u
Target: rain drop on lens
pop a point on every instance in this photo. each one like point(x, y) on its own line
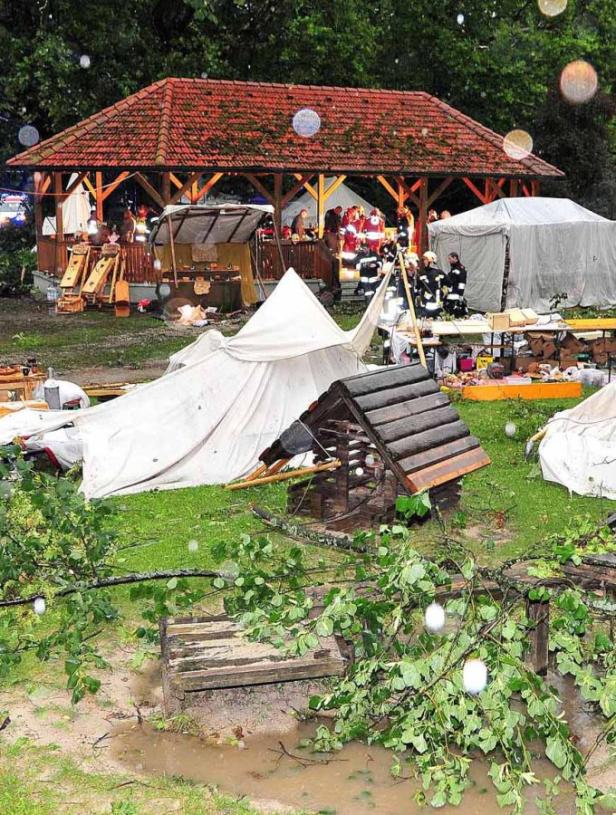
point(474, 676)
point(434, 618)
point(510, 430)
point(552, 8)
point(28, 135)
point(193, 545)
point(39, 605)
point(306, 122)
point(460, 19)
point(518, 144)
point(578, 82)
point(85, 61)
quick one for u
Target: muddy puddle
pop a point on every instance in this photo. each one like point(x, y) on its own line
point(275, 770)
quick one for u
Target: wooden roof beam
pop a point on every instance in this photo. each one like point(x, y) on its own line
point(439, 190)
point(151, 191)
point(209, 184)
point(475, 190)
point(114, 185)
point(303, 180)
point(193, 178)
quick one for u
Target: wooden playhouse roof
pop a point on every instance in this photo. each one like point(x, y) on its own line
point(413, 425)
point(219, 125)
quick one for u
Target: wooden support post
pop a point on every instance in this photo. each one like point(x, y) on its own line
point(439, 190)
point(538, 613)
point(58, 200)
point(320, 205)
point(475, 190)
point(534, 187)
point(409, 297)
point(423, 216)
point(198, 194)
point(151, 191)
point(278, 201)
point(166, 188)
point(39, 179)
point(114, 185)
point(99, 196)
point(513, 188)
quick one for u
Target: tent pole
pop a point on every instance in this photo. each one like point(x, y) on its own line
point(407, 288)
point(172, 244)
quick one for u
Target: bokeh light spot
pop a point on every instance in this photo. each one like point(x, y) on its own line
point(306, 122)
point(518, 144)
point(578, 82)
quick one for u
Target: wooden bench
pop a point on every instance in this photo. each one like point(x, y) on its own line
point(209, 653)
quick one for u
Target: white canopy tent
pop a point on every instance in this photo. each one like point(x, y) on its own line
point(343, 197)
point(222, 403)
point(208, 225)
point(554, 244)
point(579, 446)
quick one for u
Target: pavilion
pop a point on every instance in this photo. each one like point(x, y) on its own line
point(177, 138)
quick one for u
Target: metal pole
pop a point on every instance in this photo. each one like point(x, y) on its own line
point(407, 288)
point(172, 244)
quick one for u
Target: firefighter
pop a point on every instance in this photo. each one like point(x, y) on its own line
point(369, 265)
point(375, 230)
point(430, 282)
point(405, 226)
point(350, 238)
point(455, 304)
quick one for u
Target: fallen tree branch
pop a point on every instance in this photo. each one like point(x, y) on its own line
point(301, 533)
point(108, 582)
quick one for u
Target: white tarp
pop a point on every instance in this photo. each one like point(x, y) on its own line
point(224, 401)
point(198, 224)
point(76, 211)
point(579, 447)
point(555, 246)
point(343, 197)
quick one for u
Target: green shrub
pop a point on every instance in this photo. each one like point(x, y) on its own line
point(17, 260)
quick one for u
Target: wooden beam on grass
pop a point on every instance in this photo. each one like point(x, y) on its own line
point(299, 473)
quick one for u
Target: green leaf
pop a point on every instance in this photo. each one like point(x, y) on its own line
point(324, 627)
point(555, 751)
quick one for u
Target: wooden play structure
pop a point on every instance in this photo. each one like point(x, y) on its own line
point(208, 653)
point(18, 383)
point(74, 274)
point(373, 437)
point(108, 270)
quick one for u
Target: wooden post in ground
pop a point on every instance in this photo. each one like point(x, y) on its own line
point(538, 613)
point(58, 199)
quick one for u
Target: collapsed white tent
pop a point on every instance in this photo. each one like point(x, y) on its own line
point(579, 446)
point(342, 196)
point(224, 401)
point(555, 246)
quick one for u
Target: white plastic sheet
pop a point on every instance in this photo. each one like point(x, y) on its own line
point(579, 447)
point(206, 422)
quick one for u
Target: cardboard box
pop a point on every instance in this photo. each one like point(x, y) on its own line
point(499, 322)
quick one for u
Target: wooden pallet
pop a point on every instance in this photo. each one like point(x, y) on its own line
point(210, 653)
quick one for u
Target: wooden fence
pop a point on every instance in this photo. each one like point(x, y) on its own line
point(53, 259)
point(310, 259)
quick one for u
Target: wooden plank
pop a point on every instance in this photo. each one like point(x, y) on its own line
point(392, 396)
point(438, 454)
point(539, 616)
point(449, 470)
point(429, 438)
point(411, 425)
point(412, 407)
point(382, 380)
point(262, 673)
point(543, 390)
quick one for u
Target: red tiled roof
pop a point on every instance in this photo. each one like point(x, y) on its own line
point(205, 124)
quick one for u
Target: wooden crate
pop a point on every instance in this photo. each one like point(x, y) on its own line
point(209, 653)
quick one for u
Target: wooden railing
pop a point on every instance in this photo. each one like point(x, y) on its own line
point(53, 259)
point(310, 259)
